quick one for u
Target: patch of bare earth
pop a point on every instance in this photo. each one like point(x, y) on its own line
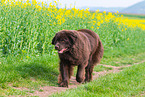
point(143, 94)
point(48, 90)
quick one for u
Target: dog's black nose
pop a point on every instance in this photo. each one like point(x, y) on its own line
point(56, 47)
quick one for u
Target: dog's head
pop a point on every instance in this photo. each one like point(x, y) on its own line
point(64, 40)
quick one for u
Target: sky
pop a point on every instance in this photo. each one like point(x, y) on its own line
point(95, 3)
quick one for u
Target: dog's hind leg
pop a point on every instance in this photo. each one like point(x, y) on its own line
point(89, 70)
point(93, 60)
point(81, 73)
point(70, 71)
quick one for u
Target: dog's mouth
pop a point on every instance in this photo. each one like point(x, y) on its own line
point(62, 51)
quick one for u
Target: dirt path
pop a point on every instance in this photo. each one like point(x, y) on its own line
point(48, 90)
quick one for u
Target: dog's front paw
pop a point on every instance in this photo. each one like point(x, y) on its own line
point(63, 84)
point(80, 79)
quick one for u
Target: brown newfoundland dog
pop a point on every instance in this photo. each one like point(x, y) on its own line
point(81, 48)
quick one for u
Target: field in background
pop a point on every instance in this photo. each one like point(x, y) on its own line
point(27, 58)
point(134, 19)
point(27, 28)
point(137, 16)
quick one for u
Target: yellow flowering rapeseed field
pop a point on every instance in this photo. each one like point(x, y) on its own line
point(132, 22)
point(29, 26)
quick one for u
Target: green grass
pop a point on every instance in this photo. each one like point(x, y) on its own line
point(34, 72)
point(29, 72)
point(129, 82)
point(102, 68)
point(124, 60)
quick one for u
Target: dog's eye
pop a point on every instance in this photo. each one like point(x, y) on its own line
point(62, 41)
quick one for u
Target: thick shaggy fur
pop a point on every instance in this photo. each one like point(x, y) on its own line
point(81, 48)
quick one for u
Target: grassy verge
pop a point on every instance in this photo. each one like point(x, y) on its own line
point(129, 82)
point(102, 68)
point(124, 60)
point(29, 72)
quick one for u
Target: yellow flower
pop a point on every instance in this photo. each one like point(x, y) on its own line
point(38, 7)
point(27, 1)
point(98, 17)
point(54, 23)
point(98, 23)
point(2, 1)
point(97, 11)
point(104, 12)
point(87, 9)
point(127, 39)
point(29, 4)
point(92, 27)
point(55, 2)
point(101, 21)
point(94, 22)
point(34, 2)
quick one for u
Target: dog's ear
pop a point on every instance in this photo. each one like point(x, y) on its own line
point(53, 40)
point(72, 37)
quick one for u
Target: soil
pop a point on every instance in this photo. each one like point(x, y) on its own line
point(48, 90)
